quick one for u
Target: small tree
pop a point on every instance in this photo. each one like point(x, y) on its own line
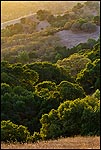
point(5, 88)
point(12, 132)
point(70, 90)
point(89, 27)
point(96, 20)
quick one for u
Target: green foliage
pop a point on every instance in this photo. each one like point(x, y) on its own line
point(87, 47)
point(96, 94)
point(5, 88)
point(63, 51)
point(89, 78)
point(49, 72)
point(95, 53)
point(47, 97)
point(70, 90)
point(15, 74)
point(12, 132)
point(50, 125)
point(74, 63)
point(35, 137)
point(91, 118)
point(51, 97)
point(45, 88)
point(96, 20)
point(22, 107)
point(80, 116)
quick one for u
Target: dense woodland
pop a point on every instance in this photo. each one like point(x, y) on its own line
point(49, 90)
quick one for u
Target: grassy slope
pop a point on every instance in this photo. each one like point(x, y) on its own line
point(12, 10)
point(62, 143)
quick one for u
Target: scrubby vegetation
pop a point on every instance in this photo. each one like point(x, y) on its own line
point(49, 90)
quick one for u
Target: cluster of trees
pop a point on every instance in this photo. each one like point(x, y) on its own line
point(78, 117)
point(72, 117)
point(42, 100)
point(85, 76)
point(82, 25)
point(28, 91)
point(76, 20)
point(27, 48)
point(13, 132)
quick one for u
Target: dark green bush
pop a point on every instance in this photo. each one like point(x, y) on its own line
point(12, 132)
point(36, 137)
point(70, 90)
point(89, 77)
point(81, 116)
point(89, 27)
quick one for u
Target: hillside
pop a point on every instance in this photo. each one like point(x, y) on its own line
point(8, 11)
point(62, 143)
point(68, 29)
point(50, 74)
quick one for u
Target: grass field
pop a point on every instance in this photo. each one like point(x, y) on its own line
point(62, 143)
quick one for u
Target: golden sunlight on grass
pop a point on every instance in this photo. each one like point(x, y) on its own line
point(62, 143)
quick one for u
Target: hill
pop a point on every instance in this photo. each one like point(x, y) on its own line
point(13, 10)
point(62, 143)
point(50, 75)
point(39, 34)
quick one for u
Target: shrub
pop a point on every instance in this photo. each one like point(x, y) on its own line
point(91, 117)
point(81, 116)
point(36, 136)
point(74, 63)
point(68, 25)
point(70, 90)
point(51, 128)
point(5, 88)
point(12, 132)
point(76, 26)
point(89, 27)
point(96, 20)
point(96, 94)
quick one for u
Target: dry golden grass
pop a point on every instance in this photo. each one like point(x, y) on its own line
point(77, 142)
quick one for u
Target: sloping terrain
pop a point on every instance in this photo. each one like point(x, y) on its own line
point(50, 80)
point(63, 143)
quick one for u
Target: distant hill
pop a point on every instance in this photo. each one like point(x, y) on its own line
point(39, 34)
point(14, 9)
